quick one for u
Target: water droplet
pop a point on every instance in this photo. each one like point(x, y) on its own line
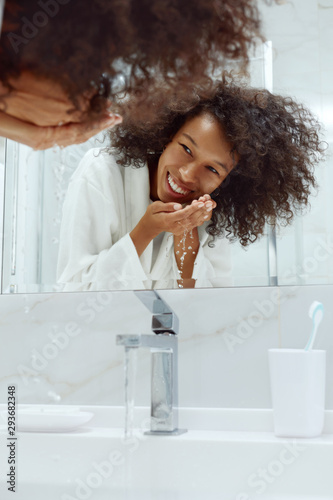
point(26, 309)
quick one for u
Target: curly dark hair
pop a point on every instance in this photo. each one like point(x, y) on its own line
point(276, 138)
point(75, 43)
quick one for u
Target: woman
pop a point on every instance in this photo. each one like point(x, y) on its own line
point(217, 165)
point(60, 59)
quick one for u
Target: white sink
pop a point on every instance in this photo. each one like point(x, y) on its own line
point(95, 462)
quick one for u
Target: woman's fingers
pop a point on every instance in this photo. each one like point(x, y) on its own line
point(160, 206)
point(172, 217)
point(205, 197)
point(200, 213)
point(181, 214)
point(46, 137)
point(74, 133)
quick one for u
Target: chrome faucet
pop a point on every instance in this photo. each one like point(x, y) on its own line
point(164, 367)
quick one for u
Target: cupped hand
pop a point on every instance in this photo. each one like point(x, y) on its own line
point(173, 218)
point(40, 138)
point(38, 112)
point(203, 212)
point(43, 102)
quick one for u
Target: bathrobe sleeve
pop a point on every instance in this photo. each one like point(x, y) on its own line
point(95, 252)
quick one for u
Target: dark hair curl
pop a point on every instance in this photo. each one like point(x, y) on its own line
point(277, 141)
point(171, 40)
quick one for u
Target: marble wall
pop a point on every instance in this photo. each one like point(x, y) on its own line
point(302, 39)
point(60, 348)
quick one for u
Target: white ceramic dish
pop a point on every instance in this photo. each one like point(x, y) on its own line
point(46, 419)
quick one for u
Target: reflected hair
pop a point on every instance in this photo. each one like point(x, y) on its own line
point(276, 139)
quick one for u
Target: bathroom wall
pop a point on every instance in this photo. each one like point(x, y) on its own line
point(302, 39)
point(60, 348)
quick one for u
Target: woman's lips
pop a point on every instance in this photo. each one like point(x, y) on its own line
point(174, 188)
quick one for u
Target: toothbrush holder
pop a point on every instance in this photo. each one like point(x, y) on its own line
point(297, 380)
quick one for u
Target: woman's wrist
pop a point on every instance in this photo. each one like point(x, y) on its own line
point(142, 235)
point(16, 130)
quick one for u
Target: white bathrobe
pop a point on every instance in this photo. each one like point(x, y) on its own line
point(104, 202)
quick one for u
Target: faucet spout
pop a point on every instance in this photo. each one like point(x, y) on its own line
point(164, 367)
point(164, 379)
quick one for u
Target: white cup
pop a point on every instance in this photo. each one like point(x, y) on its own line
point(298, 391)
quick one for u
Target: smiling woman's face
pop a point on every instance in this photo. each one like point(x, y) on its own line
point(195, 162)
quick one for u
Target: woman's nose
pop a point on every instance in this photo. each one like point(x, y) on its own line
point(189, 173)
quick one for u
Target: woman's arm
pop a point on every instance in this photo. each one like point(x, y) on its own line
point(95, 249)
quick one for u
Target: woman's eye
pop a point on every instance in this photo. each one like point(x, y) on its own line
point(212, 169)
point(188, 151)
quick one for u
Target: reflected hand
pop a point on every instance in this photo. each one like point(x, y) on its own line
point(198, 212)
point(173, 218)
point(170, 217)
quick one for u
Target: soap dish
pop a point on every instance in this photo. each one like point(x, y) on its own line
point(46, 419)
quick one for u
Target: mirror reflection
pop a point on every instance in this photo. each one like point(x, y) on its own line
point(160, 207)
point(41, 254)
point(36, 188)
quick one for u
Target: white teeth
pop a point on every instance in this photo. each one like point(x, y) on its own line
point(175, 186)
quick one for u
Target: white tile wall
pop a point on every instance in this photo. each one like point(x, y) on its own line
point(223, 342)
point(302, 39)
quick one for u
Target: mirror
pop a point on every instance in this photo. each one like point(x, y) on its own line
point(36, 184)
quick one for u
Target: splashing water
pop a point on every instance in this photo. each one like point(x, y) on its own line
point(130, 375)
point(182, 246)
